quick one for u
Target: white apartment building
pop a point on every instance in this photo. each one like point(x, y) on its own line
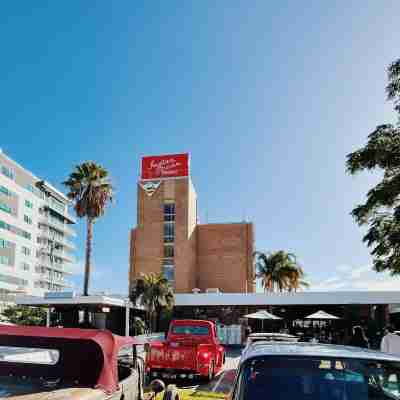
point(35, 233)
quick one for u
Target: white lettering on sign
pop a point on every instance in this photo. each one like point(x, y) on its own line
point(165, 167)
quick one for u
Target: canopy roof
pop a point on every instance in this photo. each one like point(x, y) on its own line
point(88, 356)
point(321, 315)
point(262, 314)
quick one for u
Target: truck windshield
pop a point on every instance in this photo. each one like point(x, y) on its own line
point(288, 378)
point(190, 330)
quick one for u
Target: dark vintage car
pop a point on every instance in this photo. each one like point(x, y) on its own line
point(305, 371)
point(55, 363)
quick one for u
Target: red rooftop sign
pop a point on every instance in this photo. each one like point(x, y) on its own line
point(166, 166)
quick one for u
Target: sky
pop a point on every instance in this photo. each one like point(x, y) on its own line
point(267, 97)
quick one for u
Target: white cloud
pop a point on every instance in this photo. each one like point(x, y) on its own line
point(357, 278)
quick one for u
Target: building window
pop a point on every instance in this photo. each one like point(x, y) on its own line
point(169, 232)
point(8, 172)
point(168, 251)
point(4, 207)
point(5, 244)
point(7, 192)
point(27, 219)
point(13, 280)
point(26, 250)
point(25, 266)
point(168, 270)
point(5, 260)
point(28, 204)
point(169, 212)
point(15, 230)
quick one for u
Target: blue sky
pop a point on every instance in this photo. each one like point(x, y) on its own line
point(268, 98)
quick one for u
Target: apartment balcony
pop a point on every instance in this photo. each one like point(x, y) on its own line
point(43, 277)
point(60, 211)
point(44, 262)
point(49, 237)
point(54, 223)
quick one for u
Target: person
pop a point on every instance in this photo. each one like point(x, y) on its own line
point(390, 342)
point(359, 339)
point(247, 331)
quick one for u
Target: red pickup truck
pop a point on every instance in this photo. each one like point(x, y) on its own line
point(191, 349)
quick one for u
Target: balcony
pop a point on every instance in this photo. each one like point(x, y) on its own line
point(54, 223)
point(59, 253)
point(46, 234)
point(63, 211)
point(45, 277)
point(45, 263)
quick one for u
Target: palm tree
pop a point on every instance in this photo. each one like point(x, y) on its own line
point(90, 190)
point(156, 294)
point(279, 271)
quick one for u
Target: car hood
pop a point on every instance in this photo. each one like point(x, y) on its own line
point(14, 388)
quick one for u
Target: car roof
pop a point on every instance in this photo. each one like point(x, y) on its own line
point(266, 334)
point(315, 350)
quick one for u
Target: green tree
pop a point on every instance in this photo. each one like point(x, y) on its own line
point(21, 315)
point(156, 294)
point(279, 271)
point(90, 190)
point(381, 210)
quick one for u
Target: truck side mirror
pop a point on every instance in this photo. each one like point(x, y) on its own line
point(157, 386)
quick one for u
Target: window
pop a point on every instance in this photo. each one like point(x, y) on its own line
point(168, 251)
point(15, 230)
point(27, 355)
point(168, 270)
point(27, 219)
point(169, 212)
point(28, 204)
point(313, 378)
point(5, 260)
point(169, 232)
point(26, 250)
point(25, 266)
point(5, 244)
point(6, 192)
point(8, 172)
point(191, 330)
point(4, 207)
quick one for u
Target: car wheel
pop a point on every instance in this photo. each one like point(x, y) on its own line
point(171, 393)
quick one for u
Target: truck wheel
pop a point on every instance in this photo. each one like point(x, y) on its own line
point(171, 393)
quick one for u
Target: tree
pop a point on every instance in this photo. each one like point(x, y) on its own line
point(279, 271)
point(156, 295)
point(90, 190)
point(381, 211)
point(22, 315)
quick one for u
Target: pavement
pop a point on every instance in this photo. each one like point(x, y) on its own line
point(222, 383)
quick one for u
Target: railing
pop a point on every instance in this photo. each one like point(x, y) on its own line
point(45, 233)
point(46, 220)
point(45, 262)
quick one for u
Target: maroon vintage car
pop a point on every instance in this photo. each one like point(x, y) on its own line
point(191, 349)
point(56, 363)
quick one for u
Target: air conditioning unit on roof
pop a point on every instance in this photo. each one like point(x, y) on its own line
point(213, 290)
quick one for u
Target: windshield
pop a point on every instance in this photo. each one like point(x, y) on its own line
point(190, 330)
point(299, 378)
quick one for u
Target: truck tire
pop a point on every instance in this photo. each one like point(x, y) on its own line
point(171, 393)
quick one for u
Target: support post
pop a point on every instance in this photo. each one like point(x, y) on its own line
point(127, 310)
point(48, 317)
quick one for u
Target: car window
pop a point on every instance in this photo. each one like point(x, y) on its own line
point(301, 378)
point(28, 355)
point(190, 330)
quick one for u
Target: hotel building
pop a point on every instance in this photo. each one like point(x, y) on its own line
point(35, 233)
point(169, 239)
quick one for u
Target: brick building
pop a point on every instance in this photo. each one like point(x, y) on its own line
point(169, 239)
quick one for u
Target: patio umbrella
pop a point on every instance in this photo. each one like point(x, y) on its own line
point(321, 316)
point(263, 315)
